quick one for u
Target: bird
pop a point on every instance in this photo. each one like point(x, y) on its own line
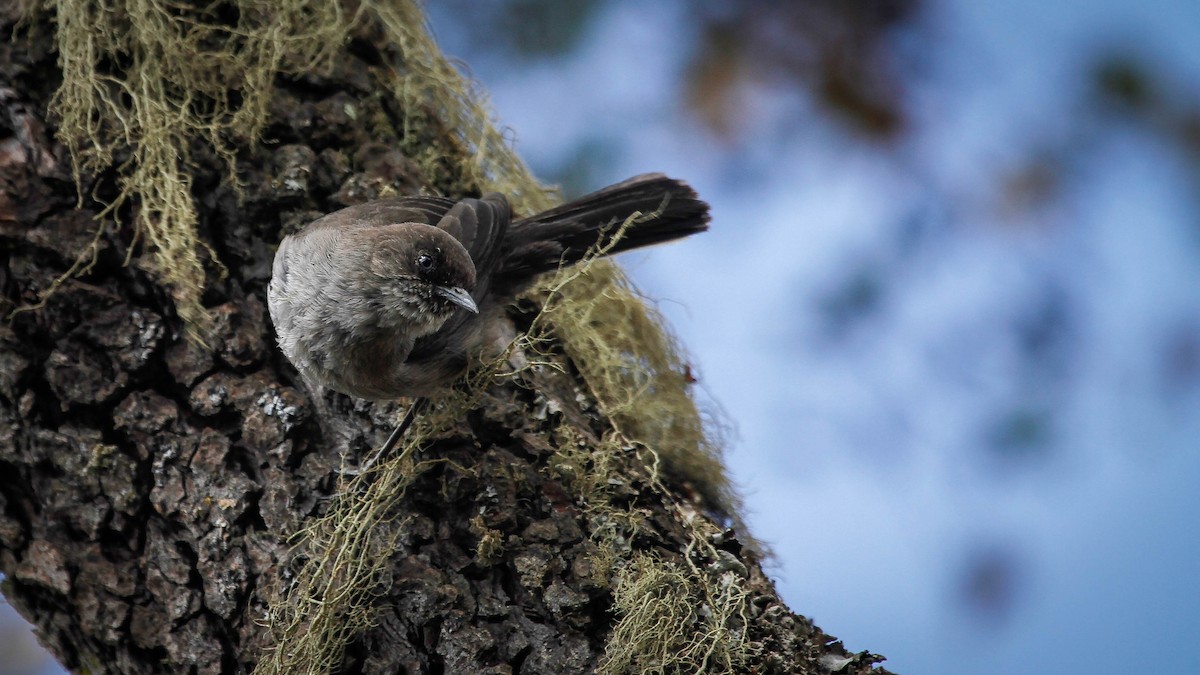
point(393, 298)
point(400, 297)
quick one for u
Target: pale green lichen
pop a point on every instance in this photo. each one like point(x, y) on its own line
point(345, 556)
point(144, 79)
point(676, 618)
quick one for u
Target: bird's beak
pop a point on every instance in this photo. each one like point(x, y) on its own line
point(459, 297)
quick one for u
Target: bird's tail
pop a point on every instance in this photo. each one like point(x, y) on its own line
point(669, 209)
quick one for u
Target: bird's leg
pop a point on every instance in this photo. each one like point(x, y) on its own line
point(417, 406)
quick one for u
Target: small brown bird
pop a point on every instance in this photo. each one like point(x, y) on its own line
point(399, 297)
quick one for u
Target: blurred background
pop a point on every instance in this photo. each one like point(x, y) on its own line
point(949, 302)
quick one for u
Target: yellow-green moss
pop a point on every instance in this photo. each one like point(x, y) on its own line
point(432, 90)
point(491, 542)
point(676, 619)
point(686, 614)
point(346, 555)
point(145, 79)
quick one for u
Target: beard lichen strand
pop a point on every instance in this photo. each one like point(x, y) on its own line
point(148, 108)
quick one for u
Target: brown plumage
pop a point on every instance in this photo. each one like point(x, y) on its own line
point(398, 297)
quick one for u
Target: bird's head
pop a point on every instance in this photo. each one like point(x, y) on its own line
point(423, 276)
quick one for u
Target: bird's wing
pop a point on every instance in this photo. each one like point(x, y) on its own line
point(428, 210)
point(480, 225)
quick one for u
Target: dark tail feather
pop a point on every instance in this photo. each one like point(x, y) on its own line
point(670, 210)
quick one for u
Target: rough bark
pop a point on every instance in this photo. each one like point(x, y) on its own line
point(149, 485)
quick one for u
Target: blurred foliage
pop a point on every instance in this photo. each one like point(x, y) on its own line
point(1022, 434)
point(583, 169)
point(525, 29)
point(1139, 88)
point(842, 53)
point(1124, 82)
point(990, 581)
point(1181, 360)
point(858, 295)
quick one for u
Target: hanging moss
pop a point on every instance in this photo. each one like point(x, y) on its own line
point(144, 79)
point(344, 563)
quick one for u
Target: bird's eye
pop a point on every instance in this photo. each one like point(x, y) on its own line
point(426, 262)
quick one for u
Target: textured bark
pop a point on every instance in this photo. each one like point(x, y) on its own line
point(148, 485)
